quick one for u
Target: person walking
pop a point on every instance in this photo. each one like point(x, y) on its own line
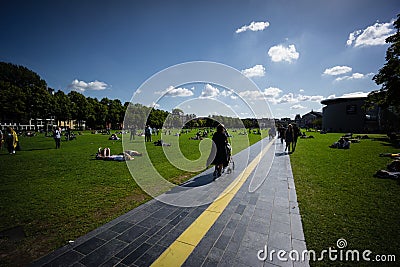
point(133, 133)
point(147, 133)
point(281, 133)
point(57, 137)
point(68, 133)
point(289, 137)
point(220, 160)
point(1, 139)
point(296, 134)
point(11, 140)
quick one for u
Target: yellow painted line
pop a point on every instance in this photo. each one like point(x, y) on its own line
point(177, 253)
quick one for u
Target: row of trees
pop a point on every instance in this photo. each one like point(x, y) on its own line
point(24, 96)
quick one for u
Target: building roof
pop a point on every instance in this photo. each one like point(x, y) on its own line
point(345, 98)
point(313, 113)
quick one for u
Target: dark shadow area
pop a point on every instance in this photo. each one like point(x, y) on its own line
point(15, 234)
point(37, 149)
point(199, 181)
point(280, 154)
point(386, 141)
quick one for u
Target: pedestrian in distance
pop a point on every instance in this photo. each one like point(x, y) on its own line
point(271, 133)
point(133, 133)
point(57, 137)
point(147, 134)
point(68, 133)
point(289, 137)
point(296, 134)
point(11, 140)
point(281, 133)
point(1, 139)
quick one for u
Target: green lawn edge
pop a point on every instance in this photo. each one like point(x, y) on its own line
point(339, 197)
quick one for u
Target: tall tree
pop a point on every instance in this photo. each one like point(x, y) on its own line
point(389, 74)
point(79, 107)
point(12, 103)
point(20, 76)
point(63, 105)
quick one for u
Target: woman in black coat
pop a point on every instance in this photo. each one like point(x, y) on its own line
point(289, 137)
point(220, 140)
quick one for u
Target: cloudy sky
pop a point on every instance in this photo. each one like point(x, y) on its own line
point(296, 52)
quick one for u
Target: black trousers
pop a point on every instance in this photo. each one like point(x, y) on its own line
point(58, 142)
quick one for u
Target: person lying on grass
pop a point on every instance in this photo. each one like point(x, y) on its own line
point(105, 154)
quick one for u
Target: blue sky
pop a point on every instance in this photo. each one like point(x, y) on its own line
point(296, 52)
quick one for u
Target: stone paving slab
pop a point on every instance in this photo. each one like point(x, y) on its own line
point(254, 219)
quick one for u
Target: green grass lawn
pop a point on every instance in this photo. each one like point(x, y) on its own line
point(339, 197)
point(59, 195)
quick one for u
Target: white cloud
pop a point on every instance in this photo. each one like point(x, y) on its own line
point(355, 94)
point(226, 93)
point(313, 98)
point(349, 95)
point(280, 53)
point(272, 92)
point(297, 106)
point(288, 98)
point(209, 91)
point(155, 105)
point(82, 86)
point(337, 70)
point(372, 35)
point(292, 98)
point(272, 95)
point(254, 26)
point(176, 92)
point(252, 95)
point(267, 94)
point(295, 98)
point(354, 76)
point(256, 71)
point(331, 96)
point(301, 90)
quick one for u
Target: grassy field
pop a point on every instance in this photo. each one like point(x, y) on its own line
point(339, 197)
point(58, 195)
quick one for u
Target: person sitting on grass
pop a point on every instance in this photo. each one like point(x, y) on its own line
point(103, 153)
point(113, 137)
point(342, 143)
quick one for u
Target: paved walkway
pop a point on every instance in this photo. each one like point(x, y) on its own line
point(256, 209)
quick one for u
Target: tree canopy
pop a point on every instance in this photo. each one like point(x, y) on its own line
point(25, 96)
point(389, 75)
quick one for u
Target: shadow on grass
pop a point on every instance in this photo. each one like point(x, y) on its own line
point(386, 141)
point(38, 149)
